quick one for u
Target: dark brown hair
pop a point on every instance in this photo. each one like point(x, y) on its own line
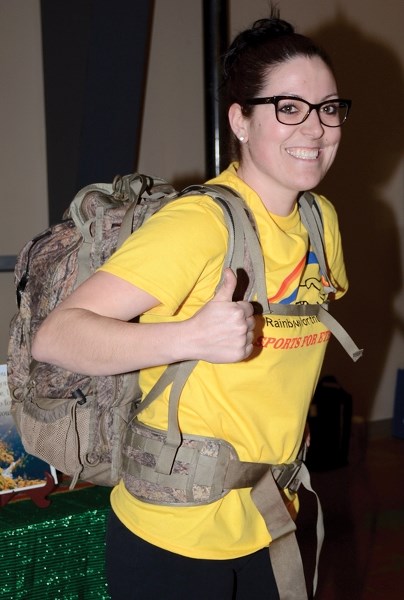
point(255, 51)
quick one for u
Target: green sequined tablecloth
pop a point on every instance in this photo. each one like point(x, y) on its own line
point(55, 553)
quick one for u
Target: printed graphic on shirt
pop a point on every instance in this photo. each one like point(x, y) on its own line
point(286, 338)
point(301, 286)
point(302, 279)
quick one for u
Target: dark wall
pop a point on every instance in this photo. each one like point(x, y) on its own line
point(95, 57)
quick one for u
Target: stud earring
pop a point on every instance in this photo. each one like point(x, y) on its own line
point(241, 138)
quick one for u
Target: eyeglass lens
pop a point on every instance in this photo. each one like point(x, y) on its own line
point(293, 111)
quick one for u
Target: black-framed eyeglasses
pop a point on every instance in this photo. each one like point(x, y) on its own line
point(290, 110)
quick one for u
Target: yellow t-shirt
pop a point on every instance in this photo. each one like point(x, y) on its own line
point(258, 405)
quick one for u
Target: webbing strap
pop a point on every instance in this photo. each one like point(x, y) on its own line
point(84, 225)
point(312, 222)
point(137, 213)
point(284, 550)
point(83, 256)
point(241, 474)
point(173, 440)
point(164, 381)
point(240, 229)
point(320, 311)
point(340, 333)
point(126, 225)
point(285, 555)
point(73, 417)
point(304, 477)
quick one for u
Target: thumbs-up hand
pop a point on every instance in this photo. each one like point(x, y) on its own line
point(226, 290)
point(222, 331)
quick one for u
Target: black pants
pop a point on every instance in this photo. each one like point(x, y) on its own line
point(137, 570)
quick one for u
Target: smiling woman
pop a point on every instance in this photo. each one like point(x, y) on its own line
point(165, 297)
point(290, 141)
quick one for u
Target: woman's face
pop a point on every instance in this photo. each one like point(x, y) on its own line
point(279, 161)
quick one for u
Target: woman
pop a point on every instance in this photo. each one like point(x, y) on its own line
point(256, 374)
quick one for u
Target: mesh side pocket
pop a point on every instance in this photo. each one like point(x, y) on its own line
point(58, 434)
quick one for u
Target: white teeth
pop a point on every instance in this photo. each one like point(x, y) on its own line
point(304, 153)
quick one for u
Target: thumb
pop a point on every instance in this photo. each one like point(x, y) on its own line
point(226, 290)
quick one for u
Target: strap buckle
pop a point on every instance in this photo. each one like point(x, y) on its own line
point(286, 475)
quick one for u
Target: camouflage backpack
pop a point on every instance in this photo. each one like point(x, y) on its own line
point(75, 422)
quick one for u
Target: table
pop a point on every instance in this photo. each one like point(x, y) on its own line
point(55, 553)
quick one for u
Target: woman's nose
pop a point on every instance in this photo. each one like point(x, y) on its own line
point(313, 124)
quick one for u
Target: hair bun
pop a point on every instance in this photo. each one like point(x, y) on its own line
point(261, 31)
point(271, 27)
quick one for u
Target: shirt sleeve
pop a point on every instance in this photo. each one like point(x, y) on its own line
point(180, 247)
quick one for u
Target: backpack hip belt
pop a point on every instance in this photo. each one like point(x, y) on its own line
point(205, 469)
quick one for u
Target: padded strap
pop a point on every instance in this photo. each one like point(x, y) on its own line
point(244, 233)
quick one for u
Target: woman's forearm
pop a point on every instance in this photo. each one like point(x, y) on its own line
point(84, 342)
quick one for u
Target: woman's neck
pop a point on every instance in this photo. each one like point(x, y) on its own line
point(277, 200)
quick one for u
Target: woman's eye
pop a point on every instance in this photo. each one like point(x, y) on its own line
point(330, 109)
point(288, 109)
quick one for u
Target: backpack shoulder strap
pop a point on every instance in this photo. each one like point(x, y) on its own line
point(242, 218)
point(310, 214)
point(241, 234)
point(244, 245)
point(312, 219)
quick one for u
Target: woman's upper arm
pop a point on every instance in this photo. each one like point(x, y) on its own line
point(110, 296)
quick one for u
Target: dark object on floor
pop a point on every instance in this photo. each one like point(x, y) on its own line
point(329, 420)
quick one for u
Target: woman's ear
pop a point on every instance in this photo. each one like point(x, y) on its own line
point(237, 122)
